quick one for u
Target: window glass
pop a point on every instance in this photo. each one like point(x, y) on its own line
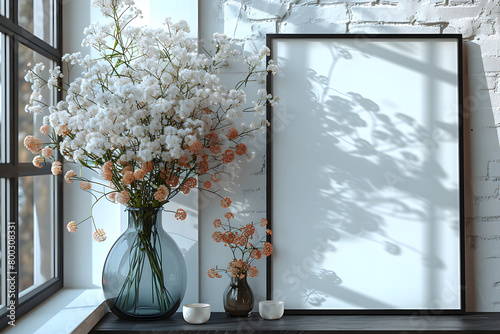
point(30, 123)
point(4, 140)
point(3, 192)
point(2, 8)
point(37, 16)
point(36, 231)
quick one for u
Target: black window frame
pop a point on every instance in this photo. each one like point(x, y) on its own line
point(12, 170)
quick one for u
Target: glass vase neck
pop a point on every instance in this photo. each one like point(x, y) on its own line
point(140, 218)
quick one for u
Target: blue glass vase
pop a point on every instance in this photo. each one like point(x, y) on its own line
point(144, 276)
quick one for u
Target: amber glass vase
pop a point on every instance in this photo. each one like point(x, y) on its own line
point(238, 298)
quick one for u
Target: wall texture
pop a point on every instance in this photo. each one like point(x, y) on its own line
point(248, 21)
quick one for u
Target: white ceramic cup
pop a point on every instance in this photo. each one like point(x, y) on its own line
point(271, 309)
point(197, 313)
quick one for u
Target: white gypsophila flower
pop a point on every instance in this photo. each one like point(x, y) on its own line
point(151, 98)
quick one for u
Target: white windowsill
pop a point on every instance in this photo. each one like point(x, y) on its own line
point(68, 311)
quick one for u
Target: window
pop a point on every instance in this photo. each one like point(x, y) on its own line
point(30, 197)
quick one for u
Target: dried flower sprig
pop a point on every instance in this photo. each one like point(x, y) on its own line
point(240, 241)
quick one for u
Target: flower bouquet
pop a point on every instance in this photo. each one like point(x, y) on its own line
point(238, 297)
point(152, 118)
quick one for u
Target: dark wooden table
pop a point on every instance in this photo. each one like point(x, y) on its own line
point(471, 323)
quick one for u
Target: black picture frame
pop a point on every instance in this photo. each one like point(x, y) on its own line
point(297, 77)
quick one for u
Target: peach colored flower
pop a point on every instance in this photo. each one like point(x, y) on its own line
point(107, 167)
point(215, 177)
point(203, 167)
point(228, 237)
point(127, 169)
point(263, 222)
point(107, 176)
point(207, 184)
point(122, 197)
point(72, 226)
point(252, 272)
point(128, 178)
point(173, 181)
point(232, 134)
point(47, 152)
point(32, 144)
point(148, 167)
point(85, 185)
point(37, 160)
point(241, 149)
point(240, 240)
point(139, 174)
point(229, 215)
point(207, 111)
point(180, 214)
point(69, 175)
point(268, 249)
point(217, 223)
point(215, 149)
point(217, 236)
point(111, 196)
point(162, 193)
point(212, 273)
point(183, 161)
point(226, 202)
point(99, 235)
point(107, 171)
point(63, 130)
point(248, 230)
point(228, 156)
point(56, 167)
point(195, 147)
point(213, 137)
point(268, 231)
point(185, 189)
point(256, 254)
point(191, 182)
point(44, 129)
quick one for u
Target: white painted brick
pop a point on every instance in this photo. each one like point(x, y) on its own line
point(494, 169)
point(267, 9)
point(490, 45)
point(462, 26)
point(392, 29)
point(304, 2)
point(491, 64)
point(237, 25)
point(485, 187)
point(491, 82)
point(319, 19)
point(431, 13)
point(485, 207)
point(486, 64)
point(379, 14)
point(345, 1)
point(494, 99)
point(313, 28)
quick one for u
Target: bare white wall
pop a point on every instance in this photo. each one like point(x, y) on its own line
point(247, 22)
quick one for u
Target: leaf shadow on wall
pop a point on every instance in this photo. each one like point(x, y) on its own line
point(371, 169)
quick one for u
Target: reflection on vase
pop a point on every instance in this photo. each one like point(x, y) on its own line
point(144, 275)
point(238, 298)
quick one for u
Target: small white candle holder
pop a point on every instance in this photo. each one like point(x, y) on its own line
point(271, 309)
point(196, 313)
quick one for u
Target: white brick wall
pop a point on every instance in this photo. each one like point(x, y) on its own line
point(479, 22)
